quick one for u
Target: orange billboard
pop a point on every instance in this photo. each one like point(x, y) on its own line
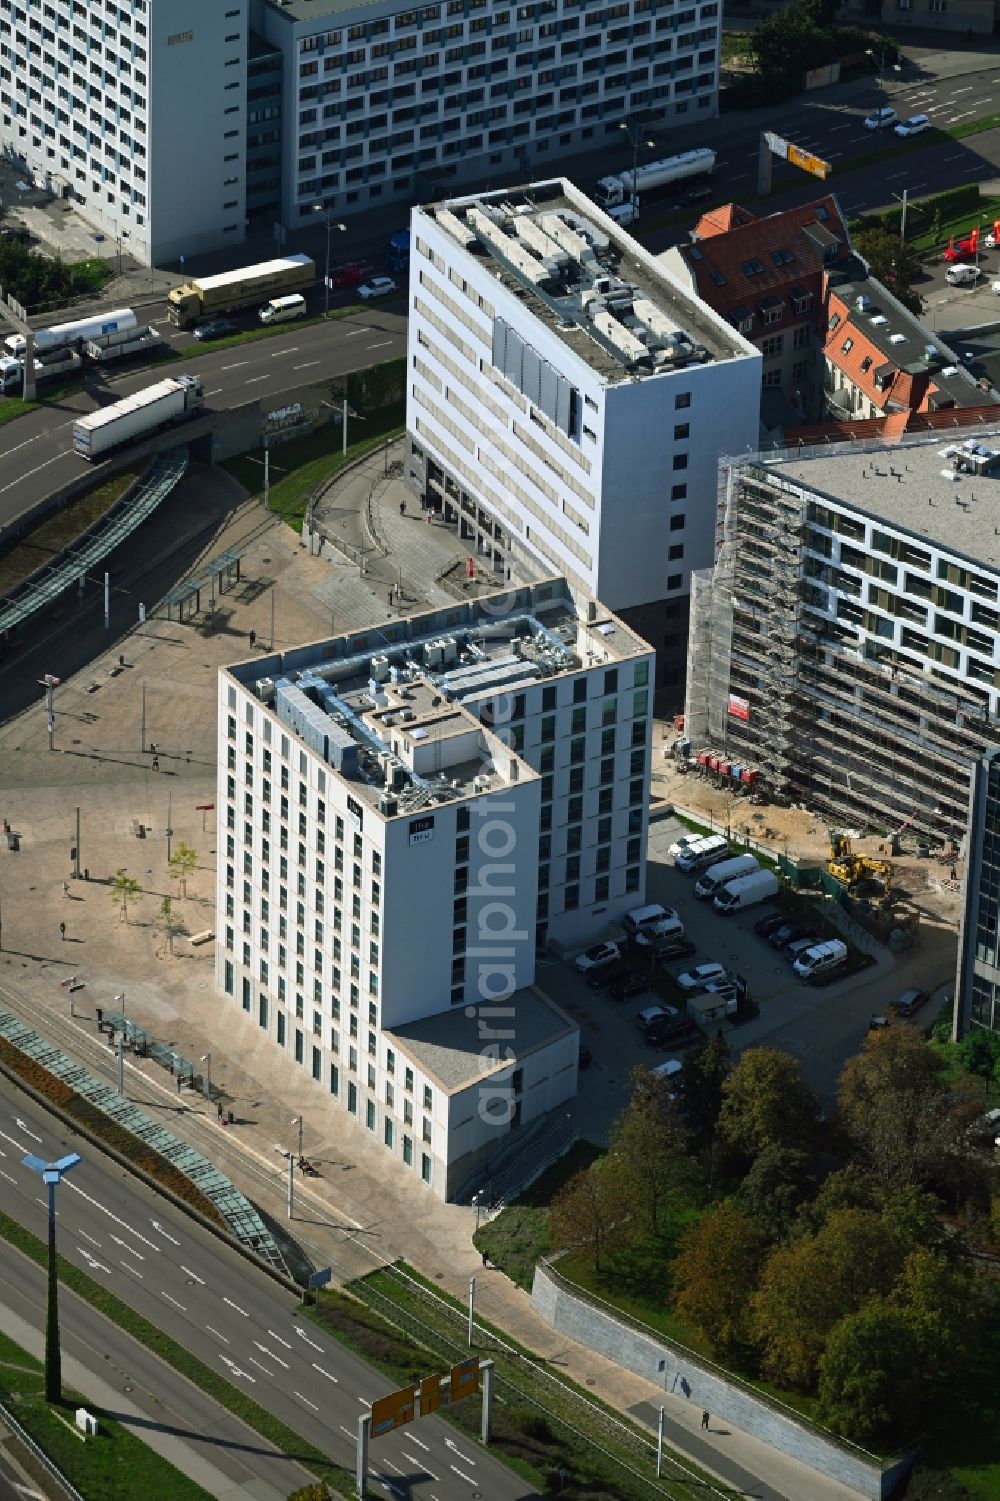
point(393, 1411)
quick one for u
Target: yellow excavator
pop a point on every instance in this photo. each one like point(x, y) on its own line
point(854, 869)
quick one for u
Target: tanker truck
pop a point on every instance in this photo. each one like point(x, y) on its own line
point(231, 290)
point(73, 334)
point(138, 415)
point(654, 179)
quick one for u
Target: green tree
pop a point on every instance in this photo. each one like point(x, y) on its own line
point(699, 1087)
point(891, 1104)
point(869, 1374)
point(592, 1212)
point(716, 1269)
point(123, 888)
point(890, 262)
point(979, 1053)
point(944, 1307)
point(808, 1286)
point(182, 864)
point(766, 1102)
point(169, 923)
point(650, 1149)
point(775, 1187)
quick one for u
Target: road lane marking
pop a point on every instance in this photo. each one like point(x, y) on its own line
point(350, 1435)
point(967, 90)
point(126, 1247)
point(133, 1269)
point(217, 392)
point(18, 1144)
point(834, 128)
point(93, 1262)
point(352, 331)
point(165, 1233)
point(8, 1176)
point(462, 1473)
point(93, 1242)
point(411, 1438)
point(306, 1401)
point(23, 1126)
point(420, 1464)
point(236, 1370)
point(217, 1334)
point(173, 1301)
point(279, 1339)
point(465, 1458)
point(278, 352)
point(254, 1361)
point(104, 1210)
point(960, 156)
point(312, 1343)
point(391, 1466)
point(239, 364)
point(193, 1275)
point(381, 345)
point(306, 366)
point(270, 1354)
point(254, 379)
point(237, 1307)
point(319, 1368)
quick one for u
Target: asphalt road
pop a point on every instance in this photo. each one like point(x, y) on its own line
point(36, 456)
point(235, 1319)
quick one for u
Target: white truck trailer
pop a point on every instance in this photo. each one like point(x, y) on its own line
point(123, 342)
point(70, 334)
point(654, 179)
point(138, 415)
point(56, 362)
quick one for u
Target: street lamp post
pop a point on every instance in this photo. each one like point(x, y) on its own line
point(298, 1121)
point(51, 1174)
point(206, 1058)
point(320, 208)
point(896, 68)
point(636, 140)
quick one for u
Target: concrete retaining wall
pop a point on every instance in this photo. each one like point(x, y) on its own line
point(682, 1374)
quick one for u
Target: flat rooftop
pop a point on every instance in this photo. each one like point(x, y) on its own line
point(393, 709)
point(945, 489)
point(588, 280)
point(460, 1047)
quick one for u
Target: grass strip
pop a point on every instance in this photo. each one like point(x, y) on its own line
point(195, 1370)
point(309, 460)
point(55, 533)
point(114, 1464)
point(543, 1423)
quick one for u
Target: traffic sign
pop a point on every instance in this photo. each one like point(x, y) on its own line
point(321, 1278)
point(465, 1378)
point(809, 163)
point(430, 1394)
point(394, 1411)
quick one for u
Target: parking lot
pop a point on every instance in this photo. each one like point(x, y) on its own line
point(822, 1026)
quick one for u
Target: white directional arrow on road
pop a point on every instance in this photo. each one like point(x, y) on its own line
point(160, 1230)
point(303, 1335)
point(236, 1370)
point(450, 1443)
point(93, 1262)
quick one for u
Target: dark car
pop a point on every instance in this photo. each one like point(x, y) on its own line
point(628, 988)
point(671, 1031)
point(216, 328)
point(765, 926)
point(607, 974)
point(678, 948)
point(347, 276)
point(910, 1001)
point(788, 933)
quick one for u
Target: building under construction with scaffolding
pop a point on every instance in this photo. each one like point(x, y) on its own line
point(847, 640)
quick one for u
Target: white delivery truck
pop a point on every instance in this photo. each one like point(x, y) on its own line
point(120, 344)
point(707, 851)
point(821, 959)
point(747, 891)
point(654, 179)
point(78, 332)
point(137, 416)
point(717, 875)
point(56, 362)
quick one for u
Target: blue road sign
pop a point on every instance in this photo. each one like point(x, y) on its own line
point(320, 1279)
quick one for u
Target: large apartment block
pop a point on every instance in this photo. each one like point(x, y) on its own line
point(134, 108)
point(179, 124)
point(405, 815)
point(847, 641)
point(568, 402)
point(977, 987)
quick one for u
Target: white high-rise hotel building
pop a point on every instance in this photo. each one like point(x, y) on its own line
point(568, 400)
point(180, 123)
point(405, 814)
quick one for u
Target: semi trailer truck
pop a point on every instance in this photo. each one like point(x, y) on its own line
point(65, 335)
point(231, 290)
point(655, 179)
point(138, 415)
point(118, 346)
point(55, 362)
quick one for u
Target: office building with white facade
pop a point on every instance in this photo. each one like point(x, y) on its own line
point(135, 109)
point(847, 642)
point(568, 401)
point(977, 984)
point(405, 815)
point(176, 125)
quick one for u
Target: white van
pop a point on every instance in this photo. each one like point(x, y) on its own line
point(646, 917)
point(716, 876)
point(821, 959)
point(706, 852)
point(655, 933)
point(625, 213)
point(283, 309)
point(746, 891)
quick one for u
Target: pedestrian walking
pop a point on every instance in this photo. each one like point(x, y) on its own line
point(156, 763)
point(253, 639)
point(219, 1109)
point(178, 1083)
point(704, 1420)
point(486, 1259)
point(62, 931)
point(402, 507)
